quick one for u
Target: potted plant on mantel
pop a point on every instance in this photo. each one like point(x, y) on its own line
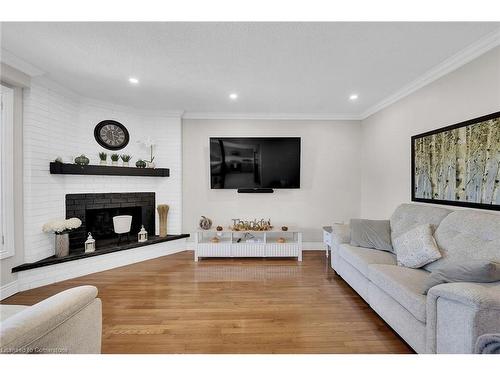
point(114, 159)
point(125, 159)
point(103, 158)
point(61, 228)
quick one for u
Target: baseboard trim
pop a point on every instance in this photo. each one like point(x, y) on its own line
point(8, 290)
point(38, 277)
point(306, 246)
point(313, 246)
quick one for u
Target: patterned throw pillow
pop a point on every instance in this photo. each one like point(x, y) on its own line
point(417, 247)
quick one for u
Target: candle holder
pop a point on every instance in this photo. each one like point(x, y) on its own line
point(90, 244)
point(143, 235)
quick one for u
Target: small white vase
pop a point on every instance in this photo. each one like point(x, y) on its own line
point(103, 162)
point(122, 223)
point(114, 163)
point(150, 164)
point(125, 163)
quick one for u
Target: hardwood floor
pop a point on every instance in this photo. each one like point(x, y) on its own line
point(174, 305)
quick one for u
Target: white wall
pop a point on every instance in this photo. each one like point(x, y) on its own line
point(60, 123)
point(330, 175)
point(17, 80)
point(6, 276)
point(468, 92)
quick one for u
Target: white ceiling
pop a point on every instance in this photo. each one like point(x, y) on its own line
point(274, 67)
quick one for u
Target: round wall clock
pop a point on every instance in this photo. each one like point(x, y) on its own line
point(111, 134)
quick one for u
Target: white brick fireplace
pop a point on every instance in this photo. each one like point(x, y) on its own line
point(58, 122)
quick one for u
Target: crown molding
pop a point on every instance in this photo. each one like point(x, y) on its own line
point(452, 63)
point(269, 116)
point(12, 60)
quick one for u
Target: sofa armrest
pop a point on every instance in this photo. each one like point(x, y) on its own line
point(341, 233)
point(54, 323)
point(477, 295)
point(488, 344)
point(458, 313)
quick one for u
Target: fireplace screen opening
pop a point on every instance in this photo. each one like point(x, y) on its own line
point(100, 221)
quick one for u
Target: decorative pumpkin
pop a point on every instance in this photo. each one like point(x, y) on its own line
point(82, 160)
point(205, 223)
point(219, 228)
point(140, 164)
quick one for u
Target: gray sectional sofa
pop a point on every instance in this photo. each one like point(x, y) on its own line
point(451, 317)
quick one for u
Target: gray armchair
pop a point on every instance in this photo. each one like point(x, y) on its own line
point(68, 322)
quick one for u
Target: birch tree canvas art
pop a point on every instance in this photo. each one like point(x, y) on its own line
point(459, 164)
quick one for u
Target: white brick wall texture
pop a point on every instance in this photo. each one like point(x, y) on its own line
point(60, 123)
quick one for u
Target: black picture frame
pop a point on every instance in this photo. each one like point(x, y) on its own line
point(98, 139)
point(476, 120)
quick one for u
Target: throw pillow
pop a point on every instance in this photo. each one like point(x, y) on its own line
point(372, 234)
point(475, 271)
point(417, 247)
point(340, 234)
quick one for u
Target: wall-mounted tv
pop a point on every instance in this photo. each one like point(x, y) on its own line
point(255, 163)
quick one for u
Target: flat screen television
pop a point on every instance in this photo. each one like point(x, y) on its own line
point(255, 163)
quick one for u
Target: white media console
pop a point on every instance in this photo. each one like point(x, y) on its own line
point(232, 244)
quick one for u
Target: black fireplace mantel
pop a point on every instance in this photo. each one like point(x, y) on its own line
point(106, 170)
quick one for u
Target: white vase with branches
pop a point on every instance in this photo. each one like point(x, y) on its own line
point(149, 143)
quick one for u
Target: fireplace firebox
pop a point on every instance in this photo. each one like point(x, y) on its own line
point(96, 211)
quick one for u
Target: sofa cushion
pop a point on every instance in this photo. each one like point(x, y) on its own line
point(473, 271)
point(6, 311)
point(405, 285)
point(360, 257)
point(373, 234)
point(467, 235)
point(409, 216)
point(417, 247)
point(341, 233)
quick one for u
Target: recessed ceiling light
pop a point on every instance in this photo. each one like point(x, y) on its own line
point(353, 97)
point(133, 80)
point(233, 96)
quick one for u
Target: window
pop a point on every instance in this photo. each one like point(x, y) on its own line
point(6, 172)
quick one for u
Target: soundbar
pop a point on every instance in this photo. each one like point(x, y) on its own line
point(255, 190)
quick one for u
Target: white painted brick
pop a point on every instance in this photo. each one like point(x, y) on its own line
point(59, 123)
